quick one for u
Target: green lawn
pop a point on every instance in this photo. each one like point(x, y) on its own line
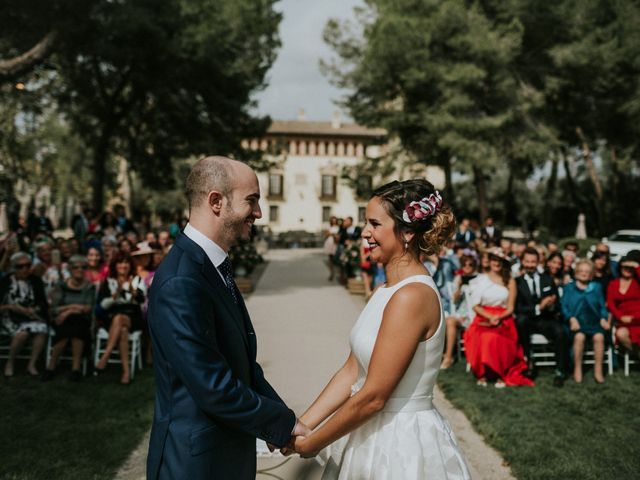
point(583, 432)
point(67, 430)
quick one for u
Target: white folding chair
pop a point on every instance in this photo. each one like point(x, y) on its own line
point(541, 355)
point(135, 349)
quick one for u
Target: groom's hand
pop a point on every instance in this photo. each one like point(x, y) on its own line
point(300, 430)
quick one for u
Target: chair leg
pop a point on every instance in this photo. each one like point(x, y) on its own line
point(610, 360)
point(626, 364)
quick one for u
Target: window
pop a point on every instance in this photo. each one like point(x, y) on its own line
point(275, 185)
point(364, 186)
point(362, 214)
point(328, 187)
point(326, 214)
point(273, 213)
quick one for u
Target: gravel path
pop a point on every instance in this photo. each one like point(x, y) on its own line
point(302, 322)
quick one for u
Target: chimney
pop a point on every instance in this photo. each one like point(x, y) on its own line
point(336, 120)
point(302, 115)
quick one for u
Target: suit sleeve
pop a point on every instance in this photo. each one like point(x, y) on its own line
point(263, 387)
point(177, 314)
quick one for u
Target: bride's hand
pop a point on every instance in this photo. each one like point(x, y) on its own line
point(301, 446)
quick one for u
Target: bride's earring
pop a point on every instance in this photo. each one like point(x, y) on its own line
point(406, 243)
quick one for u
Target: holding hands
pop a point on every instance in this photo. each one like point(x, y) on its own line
point(296, 444)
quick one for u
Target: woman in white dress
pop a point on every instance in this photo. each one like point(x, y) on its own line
point(383, 424)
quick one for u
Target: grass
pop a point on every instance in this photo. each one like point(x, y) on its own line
point(583, 432)
point(67, 430)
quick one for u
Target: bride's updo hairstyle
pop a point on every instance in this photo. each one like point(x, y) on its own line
point(417, 207)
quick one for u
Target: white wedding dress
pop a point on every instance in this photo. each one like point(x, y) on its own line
point(409, 439)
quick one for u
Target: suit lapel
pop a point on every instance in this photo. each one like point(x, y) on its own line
point(248, 327)
point(215, 281)
point(219, 289)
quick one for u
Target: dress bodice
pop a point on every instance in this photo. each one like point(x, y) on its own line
point(485, 291)
point(420, 377)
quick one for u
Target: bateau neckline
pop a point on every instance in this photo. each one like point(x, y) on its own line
point(404, 280)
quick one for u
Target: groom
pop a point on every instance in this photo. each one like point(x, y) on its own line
point(212, 399)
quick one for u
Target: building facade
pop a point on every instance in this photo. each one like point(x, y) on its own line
point(307, 180)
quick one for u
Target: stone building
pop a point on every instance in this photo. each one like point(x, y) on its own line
point(306, 185)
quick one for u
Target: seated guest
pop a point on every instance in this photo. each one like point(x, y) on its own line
point(48, 265)
point(553, 267)
point(623, 301)
point(95, 271)
point(459, 319)
point(24, 311)
point(537, 312)
point(465, 235)
point(120, 297)
point(491, 341)
point(583, 306)
point(568, 260)
point(602, 269)
point(71, 306)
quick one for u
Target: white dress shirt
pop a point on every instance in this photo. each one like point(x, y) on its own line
point(214, 251)
point(533, 281)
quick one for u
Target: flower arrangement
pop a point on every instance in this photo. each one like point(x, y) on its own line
point(244, 259)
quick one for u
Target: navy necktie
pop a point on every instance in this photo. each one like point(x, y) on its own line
point(227, 273)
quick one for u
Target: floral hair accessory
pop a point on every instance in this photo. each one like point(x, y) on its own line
point(422, 209)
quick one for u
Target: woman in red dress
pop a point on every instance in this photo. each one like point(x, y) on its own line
point(623, 301)
point(491, 341)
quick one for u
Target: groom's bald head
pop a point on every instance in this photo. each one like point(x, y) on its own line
point(208, 174)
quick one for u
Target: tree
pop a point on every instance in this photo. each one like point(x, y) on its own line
point(154, 81)
point(438, 75)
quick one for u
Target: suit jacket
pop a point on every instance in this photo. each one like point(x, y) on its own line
point(526, 300)
point(212, 399)
point(486, 238)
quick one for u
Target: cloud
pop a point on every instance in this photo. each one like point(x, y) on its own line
point(295, 80)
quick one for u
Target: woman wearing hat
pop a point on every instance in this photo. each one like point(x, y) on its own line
point(623, 301)
point(491, 341)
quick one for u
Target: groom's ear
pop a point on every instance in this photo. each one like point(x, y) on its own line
point(215, 199)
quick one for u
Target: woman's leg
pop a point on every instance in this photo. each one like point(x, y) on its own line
point(77, 347)
point(450, 339)
point(598, 356)
point(17, 343)
point(114, 336)
point(578, 351)
point(39, 340)
point(331, 268)
point(56, 351)
point(124, 355)
point(366, 279)
point(622, 335)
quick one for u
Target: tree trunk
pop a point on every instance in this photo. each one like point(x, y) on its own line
point(481, 190)
point(510, 206)
point(20, 64)
point(100, 156)
point(571, 183)
point(595, 180)
point(448, 180)
point(550, 193)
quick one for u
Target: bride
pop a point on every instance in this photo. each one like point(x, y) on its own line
point(383, 424)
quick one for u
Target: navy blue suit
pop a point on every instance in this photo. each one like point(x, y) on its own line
point(212, 399)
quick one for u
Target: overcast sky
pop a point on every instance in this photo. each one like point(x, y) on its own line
point(295, 80)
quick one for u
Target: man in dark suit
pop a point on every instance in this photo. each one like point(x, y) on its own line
point(490, 234)
point(537, 311)
point(212, 399)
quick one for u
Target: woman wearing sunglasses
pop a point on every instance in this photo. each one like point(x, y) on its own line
point(23, 312)
point(71, 307)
